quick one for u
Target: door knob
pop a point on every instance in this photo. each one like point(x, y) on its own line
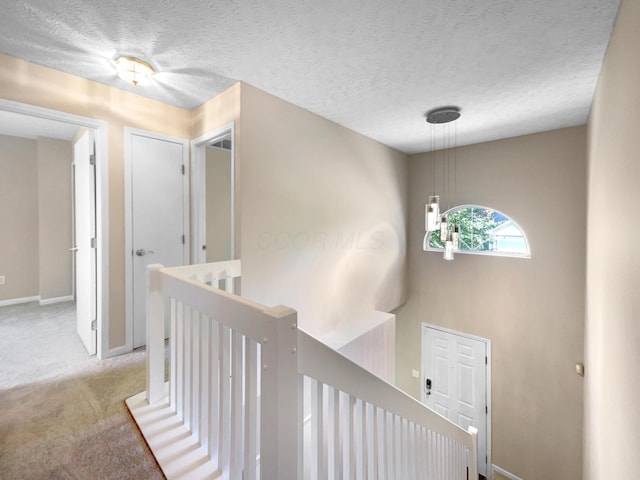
point(142, 252)
point(428, 386)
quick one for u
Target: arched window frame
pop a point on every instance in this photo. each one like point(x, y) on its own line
point(427, 237)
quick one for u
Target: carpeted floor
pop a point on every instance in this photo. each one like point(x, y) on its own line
point(62, 412)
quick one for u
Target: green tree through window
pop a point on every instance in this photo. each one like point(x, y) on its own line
point(483, 230)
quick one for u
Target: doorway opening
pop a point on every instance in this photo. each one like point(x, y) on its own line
point(55, 128)
point(213, 196)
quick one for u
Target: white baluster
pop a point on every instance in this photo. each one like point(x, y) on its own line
point(188, 368)
point(205, 381)
point(225, 400)
point(173, 369)
point(251, 406)
point(180, 346)
point(370, 438)
point(215, 430)
point(195, 375)
point(359, 438)
point(237, 406)
point(155, 335)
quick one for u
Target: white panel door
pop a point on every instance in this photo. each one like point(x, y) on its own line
point(455, 382)
point(84, 198)
point(157, 214)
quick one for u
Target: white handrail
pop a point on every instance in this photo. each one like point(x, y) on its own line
point(242, 377)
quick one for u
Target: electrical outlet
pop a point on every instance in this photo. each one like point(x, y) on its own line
point(2, 279)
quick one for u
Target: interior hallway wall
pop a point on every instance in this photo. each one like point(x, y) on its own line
point(323, 216)
point(18, 217)
point(612, 416)
point(532, 310)
point(55, 218)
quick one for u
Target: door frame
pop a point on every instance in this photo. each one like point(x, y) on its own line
point(199, 191)
point(487, 342)
point(100, 129)
point(128, 217)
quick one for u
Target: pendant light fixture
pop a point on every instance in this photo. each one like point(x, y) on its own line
point(435, 223)
point(432, 220)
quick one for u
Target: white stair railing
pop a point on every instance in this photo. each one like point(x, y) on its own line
point(251, 396)
point(362, 427)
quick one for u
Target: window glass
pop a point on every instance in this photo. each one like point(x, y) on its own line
point(483, 230)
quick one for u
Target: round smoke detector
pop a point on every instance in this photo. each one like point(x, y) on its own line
point(443, 115)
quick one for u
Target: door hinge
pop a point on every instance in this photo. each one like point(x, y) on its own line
point(486, 360)
point(93, 242)
point(183, 239)
point(183, 170)
point(92, 159)
point(94, 325)
point(486, 459)
point(486, 409)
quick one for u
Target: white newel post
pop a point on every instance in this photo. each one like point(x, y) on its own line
point(281, 402)
point(155, 335)
point(473, 457)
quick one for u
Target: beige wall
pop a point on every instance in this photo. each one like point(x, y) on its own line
point(323, 215)
point(18, 217)
point(532, 310)
point(218, 201)
point(28, 83)
point(35, 190)
point(612, 415)
point(54, 217)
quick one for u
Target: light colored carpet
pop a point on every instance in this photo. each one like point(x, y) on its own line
point(62, 412)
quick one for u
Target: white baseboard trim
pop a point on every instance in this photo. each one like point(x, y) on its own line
point(114, 352)
point(18, 301)
point(51, 301)
point(504, 473)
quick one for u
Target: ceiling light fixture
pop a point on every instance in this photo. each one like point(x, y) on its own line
point(448, 231)
point(134, 71)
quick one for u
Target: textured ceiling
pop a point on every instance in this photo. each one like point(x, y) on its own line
point(375, 66)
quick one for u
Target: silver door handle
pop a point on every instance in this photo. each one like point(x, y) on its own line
point(142, 252)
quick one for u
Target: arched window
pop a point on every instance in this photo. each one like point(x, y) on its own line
point(482, 231)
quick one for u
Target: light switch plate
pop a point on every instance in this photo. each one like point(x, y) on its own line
point(415, 373)
point(2, 279)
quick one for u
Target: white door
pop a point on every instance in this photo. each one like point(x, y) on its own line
point(157, 217)
point(454, 382)
point(84, 187)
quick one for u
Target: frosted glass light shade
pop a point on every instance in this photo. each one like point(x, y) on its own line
point(455, 237)
point(432, 214)
point(133, 70)
point(444, 230)
point(448, 250)
point(431, 219)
